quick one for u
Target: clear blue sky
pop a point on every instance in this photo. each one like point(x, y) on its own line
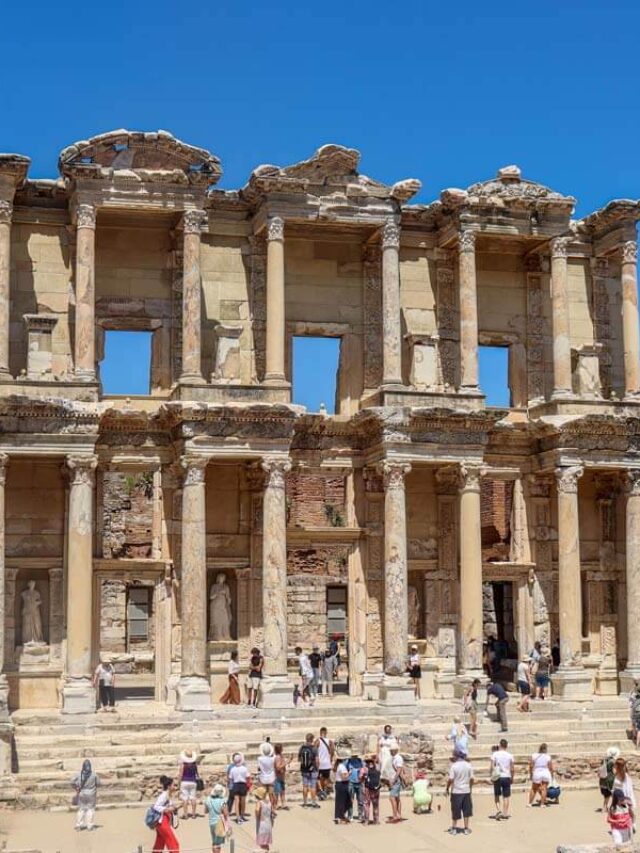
point(445, 92)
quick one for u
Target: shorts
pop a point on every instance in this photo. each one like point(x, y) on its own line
point(279, 787)
point(502, 788)
point(461, 806)
point(394, 790)
point(415, 672)
point(523, 688)
point(606, 792)
point(309, 778)
point(238, 790)
point(253, 682)
point(324, 773)
point(542, 681)
point(188, 792)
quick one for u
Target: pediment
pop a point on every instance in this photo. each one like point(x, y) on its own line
point(507, 189)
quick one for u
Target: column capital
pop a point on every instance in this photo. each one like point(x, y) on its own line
point(194, 469)
point(276, 471)
point(630, 252)
point(470, 476)
point(82, 470)
point(390, 235)
point(567, 478)
point(275, 229)
point(632, 482)
point(6, 212)
point(55, 573)
point(193, 220)
point(467, 240)
point(393, 473)
point(85, 216)
point(4, 461)
point(559, 247)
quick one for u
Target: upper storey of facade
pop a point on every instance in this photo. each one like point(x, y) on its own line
point(134, 235)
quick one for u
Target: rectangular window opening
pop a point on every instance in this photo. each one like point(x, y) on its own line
point(493, 363)
point(337, 611)
point(315, 372)
point(138, 611)
point(126, 367)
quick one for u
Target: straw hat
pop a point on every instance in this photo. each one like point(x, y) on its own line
point(260, 793)
point(188, 756)
point(266, 749)
point(613, 752)
point(217, 790)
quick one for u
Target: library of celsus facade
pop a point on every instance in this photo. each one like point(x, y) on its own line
point(214, 514)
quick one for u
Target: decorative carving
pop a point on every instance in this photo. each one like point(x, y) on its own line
point(413, 607)
point(535, 330)
point(567, 478)
point(601, 320)
point(86, 216)
point(275, 228)
point(276, 471)
point(193, 221)
point(391, 235)
point(633, 482)
point(4, 461)
point(82, 470)
point(507, 189)
point(6, 211)
point(194, 468)
point(31, 616)
point(559, 247)
point(220, 614)
point(471, 476)
point(630, 252)
point(372, 316)
point(393, 474)
point(467, 240)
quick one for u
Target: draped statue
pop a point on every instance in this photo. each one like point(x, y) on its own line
point(31, 616)
point(220, 609)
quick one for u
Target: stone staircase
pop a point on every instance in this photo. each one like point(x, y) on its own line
point(130, 749)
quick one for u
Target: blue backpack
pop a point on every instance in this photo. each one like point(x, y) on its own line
point(152, 817)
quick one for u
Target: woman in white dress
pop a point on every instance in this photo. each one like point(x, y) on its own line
point(386, 742)
point(541, 773)
point(623, 782)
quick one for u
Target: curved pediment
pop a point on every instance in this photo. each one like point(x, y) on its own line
point(507, 189)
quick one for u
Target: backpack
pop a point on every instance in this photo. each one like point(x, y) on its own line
point(372, 779)
point(152, 817)
point(604, 770)
point(307, 759)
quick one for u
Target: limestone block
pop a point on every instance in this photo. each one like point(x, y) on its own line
point(586, 370)
point(424, 360)
point(227, 363)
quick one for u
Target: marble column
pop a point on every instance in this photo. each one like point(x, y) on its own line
point(632, 670)
point(192, 222)
point(468, 311)
point(630, 331)
point(471, 624)
point(274, 366)
point(274, 575)
point(4, 684)
point(78, 695)
point(562, 381)
point(194, 688)
point(85, 341)
point(6, 211)
point(391, 325)
point(396, 630)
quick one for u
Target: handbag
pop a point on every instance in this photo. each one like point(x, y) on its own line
point(222, 828)
point(199, 784)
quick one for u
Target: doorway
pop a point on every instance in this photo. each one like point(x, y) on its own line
point(499, 624)
point(337, 629)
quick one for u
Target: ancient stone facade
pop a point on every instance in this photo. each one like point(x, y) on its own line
point(416, 513)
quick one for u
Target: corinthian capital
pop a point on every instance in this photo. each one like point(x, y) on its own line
point(467, 240)
point(6, 211)
point(193, 220)
point(559, 247)
point(390, 235)
point(275, 228)
point(276, 471)
point(194, 468)
point(85, 216)
point(82, 470)
point(471, 474)
point(633, 483)
point(567, 479)
point(393, 474)
point(630, 252)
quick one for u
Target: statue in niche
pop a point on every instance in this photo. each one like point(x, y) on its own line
point(413, 606)
point(31, 617)
point(220, 609)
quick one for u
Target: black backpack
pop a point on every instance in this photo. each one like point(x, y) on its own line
point(307, 759)
point(372, 780)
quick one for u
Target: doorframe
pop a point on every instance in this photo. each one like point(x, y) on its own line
point(522, 575)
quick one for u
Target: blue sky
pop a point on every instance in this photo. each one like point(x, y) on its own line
point(446, 93)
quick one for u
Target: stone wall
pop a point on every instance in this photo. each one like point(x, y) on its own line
point(127, 514)
point(316, 500)
point(496, 501)
point(309, 571)
point(128, 654)
point(35, 509)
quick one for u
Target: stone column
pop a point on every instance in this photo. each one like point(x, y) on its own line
point(632, 669)
point(468, 311)
point(194, 688)
point(192, 222)
point(391, 327)
point(6, 211)
point(78, 695)
point(630, 333)
point(274, 366)
point(4, 684)
point(562, 382)
point(395, 568)
point(470, 627)
point(85, 341)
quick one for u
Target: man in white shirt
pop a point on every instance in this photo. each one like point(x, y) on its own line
point(459, 784)
point(502, 770)
point(395, 785)
point(326, 752)
point(306, 673)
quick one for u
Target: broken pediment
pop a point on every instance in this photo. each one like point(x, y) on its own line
point(508, 190)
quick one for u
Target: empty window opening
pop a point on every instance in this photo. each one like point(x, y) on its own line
point(138, 612)
point(126, 367)
point(315, 372)
point(493, 362)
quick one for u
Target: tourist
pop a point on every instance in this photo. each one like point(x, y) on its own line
point(502, 771)
point(459, 736)
point(523, 682)
point(396, 784)
point(188, 781)
point(459, 785)
point(308, 758)
point(634, 707)
point(553, 793)
point(385, 742)
point(470, 706)
point(238, 778)
point(306, 675)
point(541, 774)
point(543, 668)
point(421, 795)
point(334, 649)
point(606, 775)
point(256, 663)
point(620, 818)
point(315, 659)
point(342, 805)
point(328, 668)
point(535, 653)
point(555, 654)
point(231, 696)
point(264, 819)
point(371, 790)
point(280, 786)
point(165, 837)
point(326, 755)
point(104, 678)
point(500, 694)
point(622, 782)
point(267, 771)
point(216, 807)
point(355, 766)
point(415, 670)
point(86, 787)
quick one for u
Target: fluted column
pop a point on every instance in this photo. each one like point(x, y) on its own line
point(192, 222)
point(562, 381)
point(274, 571)
point(630, 333)
point(6, 211)
point(391, 327)
point(632, 669)
point(471, 627)
point(85, 341)
point(396, 630)
point(468, 310)
point(274, 371)
point(194, 689)
point(78, 694)
point(4, 684)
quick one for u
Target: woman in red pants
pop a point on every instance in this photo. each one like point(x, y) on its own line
point(165, 837)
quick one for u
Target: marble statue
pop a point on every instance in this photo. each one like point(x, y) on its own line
point(413, 607)
point(31, 617)
point(220, 609)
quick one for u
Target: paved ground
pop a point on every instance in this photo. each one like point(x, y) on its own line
point(121, 831)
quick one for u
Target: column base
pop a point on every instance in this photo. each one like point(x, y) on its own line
point(276, 691)
point(85, 376)
point(276, 381)
point(192, 379)
point(562, 394)
point(193, 693)
point(5, 376)
point(78, 696)
point(396, 690)
point(572, 683)
point(607, 682)
point(628, 678)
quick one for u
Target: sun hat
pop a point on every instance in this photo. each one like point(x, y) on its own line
point(613, 752)
point(260, 793)
point(188, 756)
point(217, 790)
point(414, 647)
point(266, 748)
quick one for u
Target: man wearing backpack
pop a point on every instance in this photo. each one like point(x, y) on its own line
point(355, 766)
point(308, 758)
point(372, 784)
